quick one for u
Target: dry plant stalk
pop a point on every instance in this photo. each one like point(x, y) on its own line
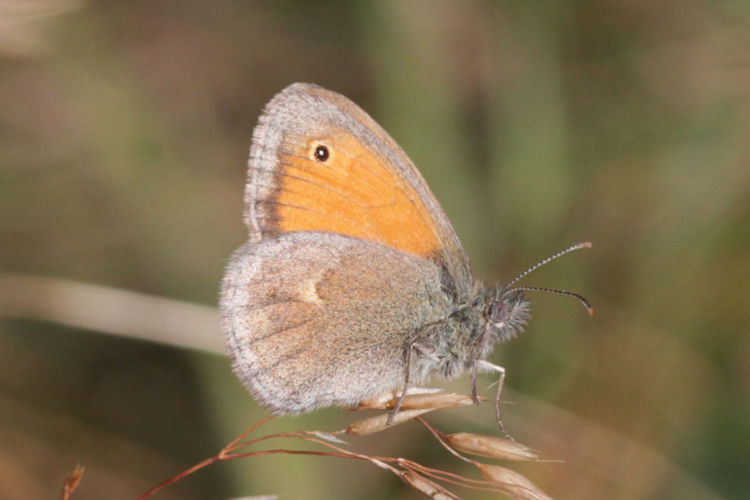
point(71, 482)
point(492, 447)
point(513, 484)
point(379, 422)
point(424, 485)
point(420, 477)
point(418, 401)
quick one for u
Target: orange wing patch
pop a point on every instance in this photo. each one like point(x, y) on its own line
point(351, 192)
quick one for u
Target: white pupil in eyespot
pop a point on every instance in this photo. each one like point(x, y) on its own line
point(321, 153)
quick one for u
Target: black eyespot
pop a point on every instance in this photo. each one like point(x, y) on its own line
point(321, 153)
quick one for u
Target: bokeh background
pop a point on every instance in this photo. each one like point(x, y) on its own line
point(124, 131)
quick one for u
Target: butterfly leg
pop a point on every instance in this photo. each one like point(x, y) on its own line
point(500, 383)
point(474, 370)
point(401, 398)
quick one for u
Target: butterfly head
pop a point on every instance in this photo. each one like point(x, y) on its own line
point(506, 308)
point(506, 313)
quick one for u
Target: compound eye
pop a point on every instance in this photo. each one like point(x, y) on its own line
point(498, 313)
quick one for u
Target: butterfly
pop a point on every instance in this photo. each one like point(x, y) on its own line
point(353, 281)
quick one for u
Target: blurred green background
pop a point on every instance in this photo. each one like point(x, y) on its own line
point(124, 131)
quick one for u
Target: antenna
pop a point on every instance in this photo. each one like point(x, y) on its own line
point(580, 297)
point(509, 287)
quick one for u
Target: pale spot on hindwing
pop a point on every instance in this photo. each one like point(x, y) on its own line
point(308, 292)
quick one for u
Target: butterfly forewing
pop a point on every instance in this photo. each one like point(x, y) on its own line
point(366, 187)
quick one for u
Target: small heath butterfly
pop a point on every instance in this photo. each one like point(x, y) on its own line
point(353, 281)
